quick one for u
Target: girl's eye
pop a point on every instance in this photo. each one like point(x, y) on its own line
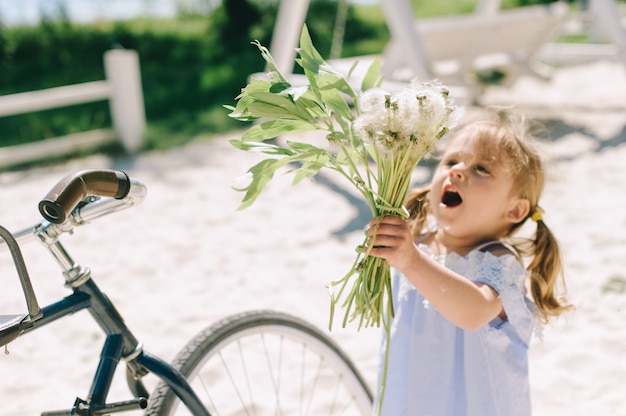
point(450, 162)
point(482, 170)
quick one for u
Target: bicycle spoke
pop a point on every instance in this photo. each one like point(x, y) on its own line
point(246, 377)
point(274, 376)
point(234, 383)
point(213, 408)
point(338, 381)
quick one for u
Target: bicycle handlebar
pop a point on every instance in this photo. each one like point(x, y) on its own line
point(77, 212)
point(72, 189)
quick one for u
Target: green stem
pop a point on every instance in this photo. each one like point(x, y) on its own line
point(368, 195)
point(383, 380)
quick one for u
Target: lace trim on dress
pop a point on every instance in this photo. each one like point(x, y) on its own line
point(506, 275)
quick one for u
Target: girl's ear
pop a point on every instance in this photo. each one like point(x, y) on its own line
point(519, 210)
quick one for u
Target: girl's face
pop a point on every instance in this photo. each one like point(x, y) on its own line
point(471, 195)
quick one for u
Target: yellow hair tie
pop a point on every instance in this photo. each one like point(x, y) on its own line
point(537, 215)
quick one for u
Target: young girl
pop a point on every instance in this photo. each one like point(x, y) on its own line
point(463, 323)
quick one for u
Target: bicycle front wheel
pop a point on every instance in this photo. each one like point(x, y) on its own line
point(266, 363)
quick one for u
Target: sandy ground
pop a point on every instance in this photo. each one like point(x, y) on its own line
point(186, 257)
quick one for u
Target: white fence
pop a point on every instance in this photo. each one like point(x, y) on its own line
point(122, 88)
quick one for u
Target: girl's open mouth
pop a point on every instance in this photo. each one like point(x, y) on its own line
point(451, 198)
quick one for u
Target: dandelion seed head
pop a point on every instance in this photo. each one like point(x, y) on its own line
point(454, 116)
point(391, 143)
point(426, 110)
point(373, 100)
point(410, 120)
point(369, 126)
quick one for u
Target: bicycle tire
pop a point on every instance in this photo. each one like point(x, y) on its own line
point(328, 382)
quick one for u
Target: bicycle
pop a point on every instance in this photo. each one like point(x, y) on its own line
point(249, 363)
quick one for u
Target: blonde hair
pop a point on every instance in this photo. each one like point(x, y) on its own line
point(505, 139)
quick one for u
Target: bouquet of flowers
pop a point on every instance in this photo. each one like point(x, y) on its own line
point(375, 138)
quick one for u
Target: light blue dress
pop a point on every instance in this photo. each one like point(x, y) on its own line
point(438, 369)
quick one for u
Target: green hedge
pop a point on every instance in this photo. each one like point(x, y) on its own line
point(182, 70)
point(190, 67)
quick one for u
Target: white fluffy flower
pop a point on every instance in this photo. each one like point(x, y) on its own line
point(423, 111)
point(411, 120)
point(373, 100)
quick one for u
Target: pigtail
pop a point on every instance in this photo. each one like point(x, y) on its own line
point(546, 271)
point(418, 205)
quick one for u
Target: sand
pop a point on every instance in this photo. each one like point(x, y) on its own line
point(186, 256)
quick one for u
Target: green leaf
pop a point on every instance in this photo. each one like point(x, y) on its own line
point(264, 99)
point(310, 154)
point(308, 170)
point(314, 65)
point(279, 87)
point(262, 173)
point(311, 104)
point(332, 79)
point(323, 77)
point(246, 98)
point(278, 103)
point(237, 115)
point(306, 49)
point(346, 154)
point(337, 104)
point(303, 147)
point(262, 147)
point(271, 64)
point(266, 104)
point(274, 128)
point(312, 160)
point(260, 109)
point(372, 77)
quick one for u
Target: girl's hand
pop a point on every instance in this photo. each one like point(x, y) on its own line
point(466, 304)
point(390, 238)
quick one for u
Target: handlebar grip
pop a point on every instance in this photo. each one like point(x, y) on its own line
point(72, 189)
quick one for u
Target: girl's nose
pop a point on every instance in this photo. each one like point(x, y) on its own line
point(457, 172)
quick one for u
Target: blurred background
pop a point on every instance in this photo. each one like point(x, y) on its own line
point(195, 56)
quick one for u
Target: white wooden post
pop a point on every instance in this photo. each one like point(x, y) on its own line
point(398, 15)
point(286, 35)
point(401, 24)
point(126, 102)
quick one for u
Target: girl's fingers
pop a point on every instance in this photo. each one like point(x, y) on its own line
point(386, 226)
point(388, 219)
point(382, 239)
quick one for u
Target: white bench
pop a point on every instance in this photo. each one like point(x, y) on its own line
point(449, 48)
point(456, 47)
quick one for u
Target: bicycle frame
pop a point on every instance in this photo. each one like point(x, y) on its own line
point(120, 343)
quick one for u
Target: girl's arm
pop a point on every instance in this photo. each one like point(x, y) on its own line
point(467, 304)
